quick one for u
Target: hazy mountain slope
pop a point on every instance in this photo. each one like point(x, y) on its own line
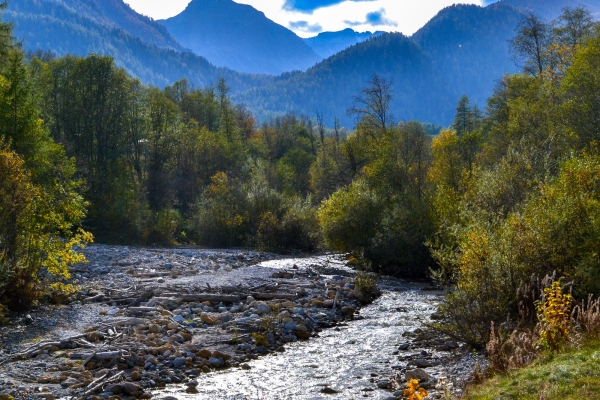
point(112, 14)
point(462, 50)
point(550, 9)
point(239, 37)
point(330, 86)
point(469, 46)
point(327, 44)
point(59, 28)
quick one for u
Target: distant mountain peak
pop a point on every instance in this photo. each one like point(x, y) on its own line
point(239, 37)
point(327, 44)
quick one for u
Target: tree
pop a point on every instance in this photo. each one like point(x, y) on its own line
point(531, 43)
point(372, 106)
point(573, 27)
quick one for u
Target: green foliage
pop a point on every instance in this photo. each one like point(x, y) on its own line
point(523, 200)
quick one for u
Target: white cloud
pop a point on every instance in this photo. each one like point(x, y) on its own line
point(405, 16)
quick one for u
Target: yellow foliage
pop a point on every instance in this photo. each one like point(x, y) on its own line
point(554, 316)
point(414, 392)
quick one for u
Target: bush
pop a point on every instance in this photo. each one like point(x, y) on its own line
point(37, 237)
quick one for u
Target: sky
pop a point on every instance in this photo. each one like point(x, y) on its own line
point(309, 17)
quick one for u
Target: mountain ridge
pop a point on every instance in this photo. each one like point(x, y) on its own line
point(247, 42)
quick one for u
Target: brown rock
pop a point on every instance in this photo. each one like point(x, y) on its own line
point(154, 328)
point(218, 354)
point(303, 335)
point(204, 353)
point(100, 373)
point(136, 376)
point(115, 388)
point(43, 379)
point(130, 388)
point(92, 337)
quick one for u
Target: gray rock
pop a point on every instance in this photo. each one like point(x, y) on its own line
point(328, 390)
point(193, 383)
point(383, 384)
point(263, 309)
point(216, 362)
point(418, 374)
point(404, 346)
point(179, 319)
point(178, 362)
point(422, 363)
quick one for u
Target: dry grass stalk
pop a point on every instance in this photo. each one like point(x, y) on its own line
point(586, 316)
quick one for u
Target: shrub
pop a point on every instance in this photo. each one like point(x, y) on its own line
point(554, 314)
point(413, 391)
point(37, 235)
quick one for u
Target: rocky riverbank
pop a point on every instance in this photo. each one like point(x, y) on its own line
point(146, 318)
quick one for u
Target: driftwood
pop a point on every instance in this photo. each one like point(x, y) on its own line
point(103, 380)
point(143, 309)
point(92, 299)
point(107, 355)
point(33, 350)
point(213, 298)
point(273, 296)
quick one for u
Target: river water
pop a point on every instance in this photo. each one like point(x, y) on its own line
point(350, 359)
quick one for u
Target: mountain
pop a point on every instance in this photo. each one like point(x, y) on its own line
point(110, 27)
point(551, 9)
point(462, 50)
point(330, 86)
point(239, 37)
point(327, 44)
point(113, 14)
point(469, 46)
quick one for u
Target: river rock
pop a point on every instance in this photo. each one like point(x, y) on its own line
point(204, 353)
point(262, 309)
point(130, 388)
point(115, 388)
point(179, 319)
point(154, 328)
point(136, 376)
point(178, 362)
point(418, 374)
point(216, 362)
point(404, 346)
point(347, 310)
point(69, 382)
point(383, 384)
point(422, 363)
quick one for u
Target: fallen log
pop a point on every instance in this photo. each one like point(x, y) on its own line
point(143, 309)
point(98, 383)
point(213, 298)
point(273, 296)
point(107, 355)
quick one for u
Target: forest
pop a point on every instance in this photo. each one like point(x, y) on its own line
point(506, 193)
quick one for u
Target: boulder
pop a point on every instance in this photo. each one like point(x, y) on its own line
point(418, 374)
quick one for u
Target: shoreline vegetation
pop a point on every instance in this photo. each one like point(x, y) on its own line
point(503, 206)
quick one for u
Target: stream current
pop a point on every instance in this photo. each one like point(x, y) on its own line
point(345, 362)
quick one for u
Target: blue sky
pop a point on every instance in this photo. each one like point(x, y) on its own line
point(309, 17)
